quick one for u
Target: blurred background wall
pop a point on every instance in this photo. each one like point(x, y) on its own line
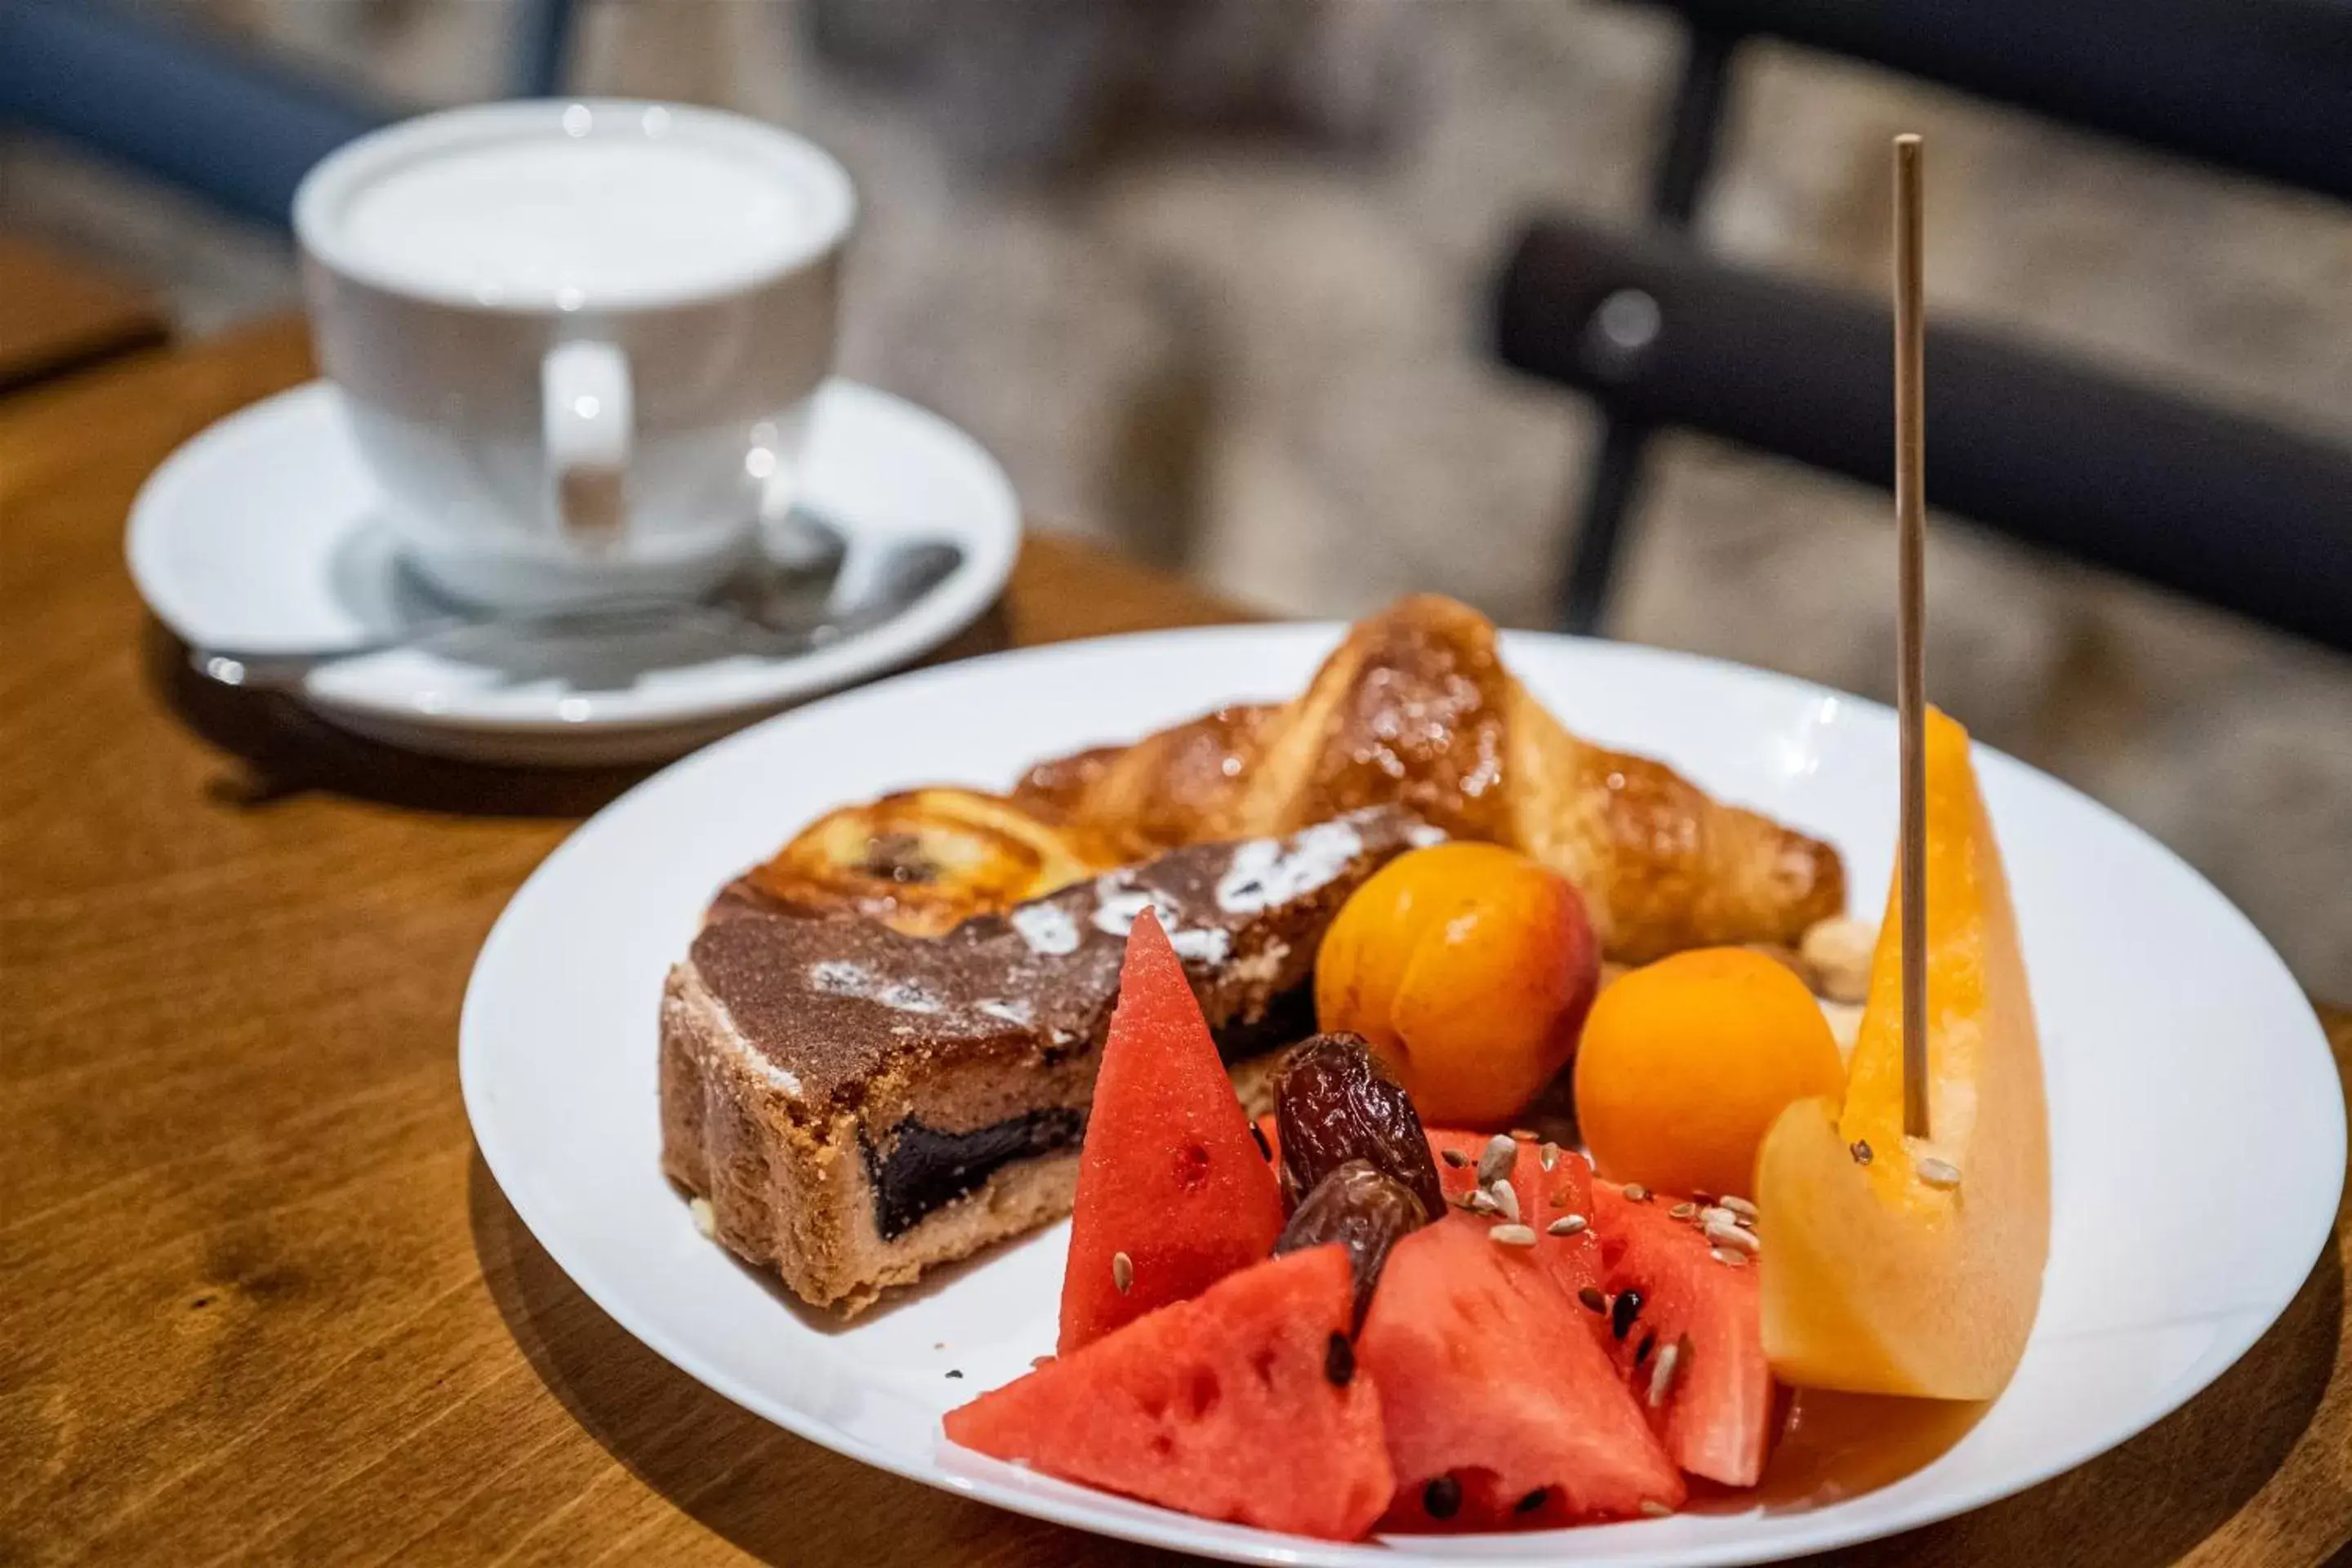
point(1212, 277)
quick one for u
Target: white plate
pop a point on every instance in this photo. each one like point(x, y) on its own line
point(260, 533)
point(2197, 1135)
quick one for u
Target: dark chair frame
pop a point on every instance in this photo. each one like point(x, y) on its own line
point(2261, 85)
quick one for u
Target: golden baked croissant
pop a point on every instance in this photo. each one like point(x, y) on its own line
point(1414, 709)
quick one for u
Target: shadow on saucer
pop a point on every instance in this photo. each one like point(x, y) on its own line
point(775, 1495)
point(288, 750)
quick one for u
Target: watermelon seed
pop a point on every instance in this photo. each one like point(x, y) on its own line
point(953, 1373)
point(1654, 1508)
point(1523, 1135)
point(1532, 1501)
point(1635, 1192)
point(1732, 1236)
point(1507, 1198)
point(1724, 1255)
point(1593, 1299)
point(1339, 1360)
point(1441, 1498)
point(1740, 1207)
point(1681, 1211)
point(1456, 1158)
point(1623, 1311)
point(1547, 1156)
point(1512, 1235)
point(1483, 1202)
point(1641, 1351)
point(1122, 1272)
point(1500, 1156)
point(1861, 1151)
point(1941, 1174)
point(1566, 1225)
point(1263, 1147)
point(1662, 1376)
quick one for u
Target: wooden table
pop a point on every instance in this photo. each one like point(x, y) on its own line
point(57, 314)
point(261, 1298)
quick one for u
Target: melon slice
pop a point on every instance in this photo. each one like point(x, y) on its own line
point(1544, 1198)
point(1173, 1191)
point(1501, 1409)
point(1712, 1404)
point(1876, 1278)
point(1243, 1403)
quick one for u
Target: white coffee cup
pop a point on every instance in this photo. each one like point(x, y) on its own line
point(576, 339)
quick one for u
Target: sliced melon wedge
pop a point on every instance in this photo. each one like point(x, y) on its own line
point(1914, 1267)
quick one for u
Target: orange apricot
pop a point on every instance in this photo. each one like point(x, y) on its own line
point(1687, 1062)
point(1469, 969)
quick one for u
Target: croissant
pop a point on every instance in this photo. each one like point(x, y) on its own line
point(1414, 709)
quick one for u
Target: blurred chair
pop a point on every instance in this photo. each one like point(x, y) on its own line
point(2217, 506)
point(233, 127)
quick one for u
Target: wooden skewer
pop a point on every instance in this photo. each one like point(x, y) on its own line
point(1911, 674)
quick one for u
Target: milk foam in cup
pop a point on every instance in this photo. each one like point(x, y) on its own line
point(576, 339)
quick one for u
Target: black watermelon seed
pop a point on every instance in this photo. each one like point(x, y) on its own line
point(1441, 1498)
point(1263, 1147)
point(1339, 1360)
point(952, 1372)
point(1621, 1312)
point(1593, 1299)
point(1641, 1351)
point(1532, 1501)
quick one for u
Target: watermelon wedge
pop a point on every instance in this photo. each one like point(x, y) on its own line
point(1713, 1406)
point(1501, 1409)
point(1544, 1198)
point(1174, 1191)
point(1242, 1403)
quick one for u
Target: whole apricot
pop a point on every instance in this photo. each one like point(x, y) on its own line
point(1687, 1062)
point(1469, 969)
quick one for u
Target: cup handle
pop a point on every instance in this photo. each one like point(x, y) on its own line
point(588, 416)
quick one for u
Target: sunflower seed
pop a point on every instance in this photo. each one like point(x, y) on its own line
point(1507, 1198)
point(1732, 1236)
point(1681, 1211)
point(1654, 1508)
point(1456, 1158)
point(1727, 1256)
point(1739, 1207)
point(1512, 1235)
point(1716, 1214)
point(1483, 1202)
point(1547, 1156)
point(1635, 1192)
point(1566, 1225)
point(1122, 1272)
point(1523, 1135)
point(1662, 1372)
point(1941, 1174)
point(1500, 1156)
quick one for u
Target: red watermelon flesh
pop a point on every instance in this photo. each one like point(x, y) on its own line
point(1171, 1178)
point(1241, 1404)
point(1544, 1198)
point(1501, 1409)
point(1714, 1411)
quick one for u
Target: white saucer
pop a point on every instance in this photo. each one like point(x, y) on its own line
point(261, 534)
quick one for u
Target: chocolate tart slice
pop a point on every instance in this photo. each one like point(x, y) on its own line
point(857, 1104)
